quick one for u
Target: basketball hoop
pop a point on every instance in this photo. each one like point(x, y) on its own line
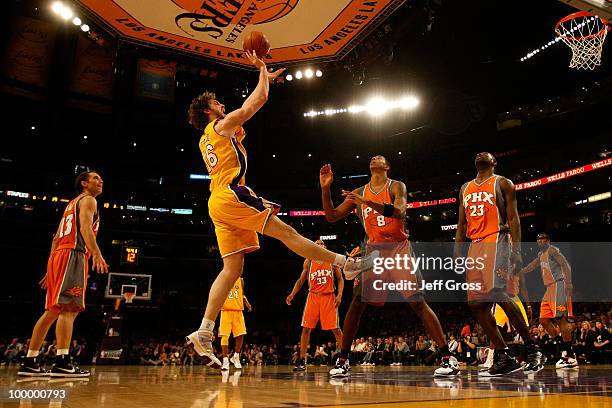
point(585, 34)
point(129, 296)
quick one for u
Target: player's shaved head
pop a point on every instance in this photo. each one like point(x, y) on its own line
point(484, 160)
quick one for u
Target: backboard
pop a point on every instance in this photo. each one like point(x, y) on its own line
point(119, 283)
point(601, 8)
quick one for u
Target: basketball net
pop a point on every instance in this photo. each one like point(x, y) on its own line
point(585, 34)
point(129, 296)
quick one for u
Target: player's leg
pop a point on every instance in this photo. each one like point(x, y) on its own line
point(239, 330)
point(225, 351)
point(202, 338)
point(338, 335)
point(306, 248)
point(304, 343)
point(567, 351)
point(450, 365)
point(31, 365)
point(41, 328)
point(63, 333)
point(349, 330)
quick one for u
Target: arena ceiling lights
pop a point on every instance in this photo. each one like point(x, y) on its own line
point(375, 107)
point(298, 30)
point(66, 13)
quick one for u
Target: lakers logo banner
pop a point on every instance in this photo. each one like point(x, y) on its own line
point(298, 30)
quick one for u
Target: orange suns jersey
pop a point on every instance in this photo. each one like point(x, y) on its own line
point(321, 277)
point(485, 207)
point(235, 297)
point(378, 227)
point(69, 231)
point(225, 157)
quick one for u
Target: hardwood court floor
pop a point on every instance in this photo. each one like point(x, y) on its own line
point(279, 387)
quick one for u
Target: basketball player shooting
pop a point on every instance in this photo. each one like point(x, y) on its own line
point(236, 211)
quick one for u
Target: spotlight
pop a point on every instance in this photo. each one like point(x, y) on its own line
point(298, 75)
point(408, 103)
point(57, 7)
point(85, 28)
point(66, 13)
point(356, 109)
point(319, 73)
point(309, 73)
point(76, 21)
point(377, 106)
point(289, 77)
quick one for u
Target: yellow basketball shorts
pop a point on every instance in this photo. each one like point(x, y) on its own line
point(238, 215)
point(500, 316)
point(232, 322)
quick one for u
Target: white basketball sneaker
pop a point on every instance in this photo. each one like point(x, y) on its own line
point(353, 267)
point(225, 366)
point(236, 361)
point(448, 368)
point(202, 344)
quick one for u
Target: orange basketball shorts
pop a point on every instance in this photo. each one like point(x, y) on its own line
point(66, 280)
point(320, 307)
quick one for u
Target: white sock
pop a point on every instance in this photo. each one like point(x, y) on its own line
point(62, 352)
point(33, 353)
point(340, 260)
point(207, 325)
point(236, 354)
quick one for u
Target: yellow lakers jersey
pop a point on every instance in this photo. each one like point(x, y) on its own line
point(234, 300)
point(225, 157)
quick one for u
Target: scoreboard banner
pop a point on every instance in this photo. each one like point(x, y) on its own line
point(298, 30)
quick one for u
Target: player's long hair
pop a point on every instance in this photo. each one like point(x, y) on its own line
point(197, 117)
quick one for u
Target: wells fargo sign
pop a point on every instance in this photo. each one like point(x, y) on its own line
point(298, 30)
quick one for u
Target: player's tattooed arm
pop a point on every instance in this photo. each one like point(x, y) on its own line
point(300, 282)
point(332, 214)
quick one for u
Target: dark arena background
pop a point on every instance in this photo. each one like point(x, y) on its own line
point(106, 85)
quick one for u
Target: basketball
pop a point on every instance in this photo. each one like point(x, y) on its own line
point(256, 41)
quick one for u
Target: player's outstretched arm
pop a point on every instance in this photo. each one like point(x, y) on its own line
point(397, 209)
point(255, 100)
point(87, 208)
point(332, 214)
point(299, 282)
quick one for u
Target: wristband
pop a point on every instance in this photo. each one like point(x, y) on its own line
point(388, 210)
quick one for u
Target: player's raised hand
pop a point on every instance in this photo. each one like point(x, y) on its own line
point(326, 176)
point(272, 75)
point(353, 198)
point(99, 264)
point(289, 299)
point(255, 60)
